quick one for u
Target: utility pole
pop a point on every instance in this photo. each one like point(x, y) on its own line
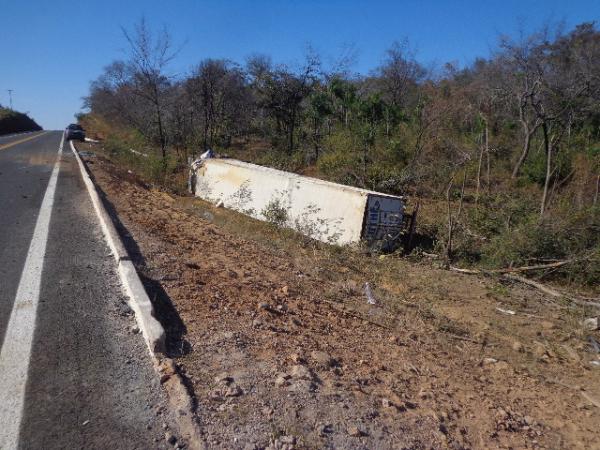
point(10, 91)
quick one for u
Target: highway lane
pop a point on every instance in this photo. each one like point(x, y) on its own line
point(85, 377)
point(24, 173)
point(13, 137)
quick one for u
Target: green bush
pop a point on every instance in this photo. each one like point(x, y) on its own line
point(534, 168)
point(275, 212)
point(560, 237)
point(151, 167)
point(15, 122)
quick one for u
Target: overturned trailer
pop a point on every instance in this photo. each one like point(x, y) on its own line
point(322, 210)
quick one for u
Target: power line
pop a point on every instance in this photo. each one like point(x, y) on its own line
point(10, 91)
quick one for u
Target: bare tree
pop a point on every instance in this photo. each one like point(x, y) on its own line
point(149, 57)
point(281, 92)
point(522, 73)
point(400, 73)
point(219, 93)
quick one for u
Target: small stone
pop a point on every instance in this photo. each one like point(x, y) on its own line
point(590, 324)
point(224, 378)
point(135, 329)
point(539, 350)
point(409, 405)
point(423, 394)
point(257, 323)
point(233, 391)
point(282, 380)
point(488, 361)
point(208, 216)
point(387, 403)
point(301, 372)
point(501, 365)
point(501, 414)
point(323, 359)
point(547, 325)
point(264, 306)
point(285, 290)
point(297, 358)
point(354, 431)
point(529, 420)
point(324, 429)
point(302, 386)
point(291, 440)
point(517, 346)
point(170, 438)
point(571, 353)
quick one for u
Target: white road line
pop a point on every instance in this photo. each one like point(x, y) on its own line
point(16, 350)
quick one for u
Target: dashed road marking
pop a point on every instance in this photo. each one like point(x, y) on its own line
point(16, 349)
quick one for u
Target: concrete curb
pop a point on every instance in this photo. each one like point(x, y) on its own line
point(153, 332)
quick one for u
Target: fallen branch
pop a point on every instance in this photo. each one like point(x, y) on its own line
point(594, 401)
point(541, 287)
point(552, 292)
point(513, 269)
point(545, 289)
point(468, 271)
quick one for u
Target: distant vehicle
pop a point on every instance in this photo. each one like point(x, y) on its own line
point(74, 131)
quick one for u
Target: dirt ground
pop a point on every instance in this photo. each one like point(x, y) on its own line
point(281, 349)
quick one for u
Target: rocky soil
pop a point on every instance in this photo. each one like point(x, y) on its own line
point(281, 350)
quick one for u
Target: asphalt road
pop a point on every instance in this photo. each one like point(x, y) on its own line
point(73, 373)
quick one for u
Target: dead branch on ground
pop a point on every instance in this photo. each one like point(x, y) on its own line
point(514, 269)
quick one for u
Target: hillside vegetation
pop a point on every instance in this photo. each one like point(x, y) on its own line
point(15, 122)
point(503, 155)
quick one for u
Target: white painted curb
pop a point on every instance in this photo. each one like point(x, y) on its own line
point(153, 332)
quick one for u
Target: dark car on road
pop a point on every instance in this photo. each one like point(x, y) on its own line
point(74, 131)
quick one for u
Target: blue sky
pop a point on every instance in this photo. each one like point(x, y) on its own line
point(51, 49)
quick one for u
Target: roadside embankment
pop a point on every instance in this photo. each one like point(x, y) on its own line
point(15, 122)
point(279, 346)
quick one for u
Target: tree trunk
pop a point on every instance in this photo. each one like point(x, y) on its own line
point(548, 146)
point(365, 153)
point(206, 125)
point(524, 153)
point(292, 127)
point(316, 139)
point(450, 223)
point(161, 134)
point(478, 179)
point(462, 194)
point(387, 124)
point(487, 157)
